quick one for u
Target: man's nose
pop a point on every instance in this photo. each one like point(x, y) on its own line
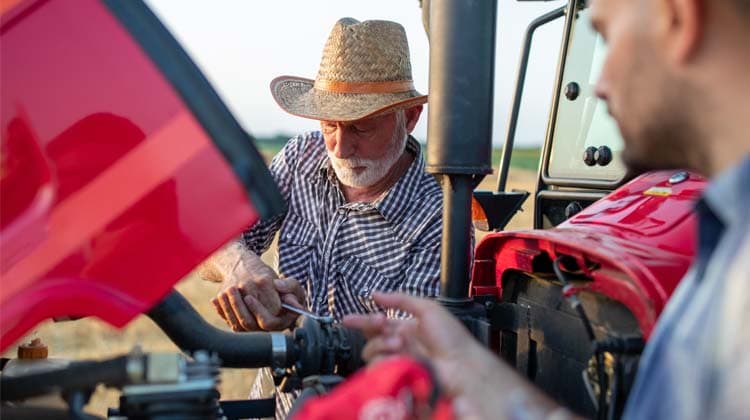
point(601, 89)
point(345, 144)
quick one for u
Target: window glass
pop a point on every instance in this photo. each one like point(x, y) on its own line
point(584, 122)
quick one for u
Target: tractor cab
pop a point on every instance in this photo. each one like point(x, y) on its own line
point(581, 160)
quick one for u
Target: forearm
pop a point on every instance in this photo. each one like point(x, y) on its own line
point(235, 260)
point(498, 391)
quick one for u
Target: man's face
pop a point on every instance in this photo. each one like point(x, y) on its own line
point(647, 99)
point(363, 152)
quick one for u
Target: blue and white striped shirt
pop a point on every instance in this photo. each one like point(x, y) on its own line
point(341, 252)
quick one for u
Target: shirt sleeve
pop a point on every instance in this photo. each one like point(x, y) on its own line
point(259, 237)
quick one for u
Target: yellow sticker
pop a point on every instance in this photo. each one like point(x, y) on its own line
point(658, 191)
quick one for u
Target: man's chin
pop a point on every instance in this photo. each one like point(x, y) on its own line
point(353, 179)
point(637, 164)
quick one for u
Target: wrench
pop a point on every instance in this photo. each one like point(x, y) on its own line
point(322, 319)
point(288, 307)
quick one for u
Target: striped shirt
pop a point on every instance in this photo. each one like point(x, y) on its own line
point(341, 252)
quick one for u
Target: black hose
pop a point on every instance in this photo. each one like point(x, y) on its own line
point(574, 301)
point(190, 332)
point(601, 412)
point(77, 375)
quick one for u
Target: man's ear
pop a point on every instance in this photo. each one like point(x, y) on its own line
point(412, 116)
point(685, 28)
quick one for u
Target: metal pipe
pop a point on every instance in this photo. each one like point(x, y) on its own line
point(186, 328)
point(459, 145)
point(78, 375)
point(523, 64)
point(455, 257)
point(462, 59)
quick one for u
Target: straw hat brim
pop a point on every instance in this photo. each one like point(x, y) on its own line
point(299, 97)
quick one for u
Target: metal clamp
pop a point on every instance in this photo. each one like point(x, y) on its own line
point(278, 351)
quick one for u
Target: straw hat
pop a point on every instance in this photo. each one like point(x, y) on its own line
point(365, 72)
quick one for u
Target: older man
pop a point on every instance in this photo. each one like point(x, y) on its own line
point(677, 80)
point(363, 215)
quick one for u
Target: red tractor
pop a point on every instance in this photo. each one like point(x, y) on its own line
point(115, 147)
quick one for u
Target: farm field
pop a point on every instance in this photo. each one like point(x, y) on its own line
point(92, 339)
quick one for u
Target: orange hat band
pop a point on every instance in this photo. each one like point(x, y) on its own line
point(395, 86)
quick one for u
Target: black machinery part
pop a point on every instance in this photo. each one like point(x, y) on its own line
point(535, 330)
point(190, 332)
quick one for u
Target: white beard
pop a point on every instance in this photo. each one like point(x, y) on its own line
point(375, 169)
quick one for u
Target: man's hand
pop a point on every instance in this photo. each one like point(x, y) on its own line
point(289, 291)
point(433, 333)
point(385, 337)
point(465, 369)
point(251, 296)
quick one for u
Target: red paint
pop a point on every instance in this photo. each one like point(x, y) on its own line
point(111, 191)
point(640, 245)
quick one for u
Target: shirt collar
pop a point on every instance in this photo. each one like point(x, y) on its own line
point(727, 196)
point(393, 204)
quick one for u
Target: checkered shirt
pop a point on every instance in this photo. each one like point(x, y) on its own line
point(341, 252)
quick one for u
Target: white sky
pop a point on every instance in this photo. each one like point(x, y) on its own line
point(242, 45)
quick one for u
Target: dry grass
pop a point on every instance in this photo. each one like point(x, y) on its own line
point(92, 339)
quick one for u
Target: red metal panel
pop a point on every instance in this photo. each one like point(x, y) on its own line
point(639, 241)
point(111, 190)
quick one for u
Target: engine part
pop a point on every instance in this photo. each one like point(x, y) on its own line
point(186, 328)
point(312, 348)
point(321, 349)
point(174, 388)
point(77, 375)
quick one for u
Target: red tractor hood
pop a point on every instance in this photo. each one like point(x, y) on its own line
point(633, 246)
point(121, 168)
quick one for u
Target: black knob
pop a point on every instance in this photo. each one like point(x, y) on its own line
point(572, 90)
point(589, 156)
point(603, 155)
point(572, 209)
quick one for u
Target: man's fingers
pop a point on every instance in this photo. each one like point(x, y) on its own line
point(241, 313)
point(289, 285)
point(291, 299)
point(415, 306)
point(266, 320)
point(267, 296)
point(370, 325)
point(286, 285)
point(219, 310)
point(381, 346)
point(231, 319)
point(435, 328)
point(290, 317)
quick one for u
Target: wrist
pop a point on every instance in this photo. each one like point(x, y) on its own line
point(522, 405)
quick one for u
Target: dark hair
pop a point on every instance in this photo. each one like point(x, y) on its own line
point(743, 6)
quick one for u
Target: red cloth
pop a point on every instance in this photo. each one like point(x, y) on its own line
point(398, 388)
